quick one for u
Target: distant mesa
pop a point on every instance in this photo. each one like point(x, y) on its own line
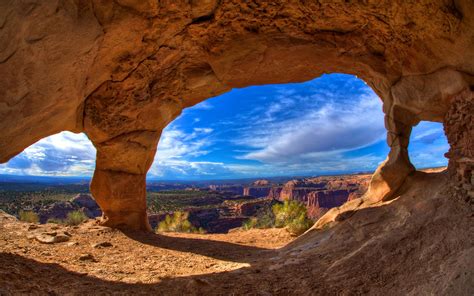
point(261, 183)
point(318, 194)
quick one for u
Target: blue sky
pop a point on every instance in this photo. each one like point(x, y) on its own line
point(332, 124)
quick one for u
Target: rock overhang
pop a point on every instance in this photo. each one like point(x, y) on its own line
point(121, 71)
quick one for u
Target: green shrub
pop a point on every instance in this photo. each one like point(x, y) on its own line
point(28, 216)
point(290, 214)
point(178, 222)
point(288, 211)
point(293, 215)
point(299, 225)
point(75, 218)
point(265, 219)
point(250, 223)
point(55, 221)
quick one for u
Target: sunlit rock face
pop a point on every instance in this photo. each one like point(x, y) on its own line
point(120, 71)
point(322, 193)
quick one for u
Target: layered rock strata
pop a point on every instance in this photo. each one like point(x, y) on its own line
point(322, 193)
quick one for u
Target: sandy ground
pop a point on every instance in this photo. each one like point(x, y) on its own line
point(420, 243)
point(139, 257)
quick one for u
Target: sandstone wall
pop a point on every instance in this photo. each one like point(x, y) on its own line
point(459, 128)
point(257, 191)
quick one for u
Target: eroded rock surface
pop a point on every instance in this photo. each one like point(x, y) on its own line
point(120, 71)
point(459, 127)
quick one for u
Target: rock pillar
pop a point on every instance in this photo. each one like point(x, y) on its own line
point(391, 174)
point(119, 181)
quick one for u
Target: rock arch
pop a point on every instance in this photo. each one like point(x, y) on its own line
point(121, 70)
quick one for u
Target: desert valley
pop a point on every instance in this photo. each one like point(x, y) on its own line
point(216, 208)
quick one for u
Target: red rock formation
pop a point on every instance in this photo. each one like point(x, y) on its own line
point(275, 193)
point(299, 189)
point(319, 202)
point(261, 183)
point(230, 189)
point(120, 71)
point(248, 208)
point(323, 193)
point(257, 191)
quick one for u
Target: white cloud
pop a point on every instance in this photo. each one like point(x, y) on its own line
point(176, 144)
point(63, 154)
point(205, 105)
point(204, 130)
point(428, 144)
point(175, 149)
point(335, 127)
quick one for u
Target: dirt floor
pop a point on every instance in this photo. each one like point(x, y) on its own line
point(420, 243)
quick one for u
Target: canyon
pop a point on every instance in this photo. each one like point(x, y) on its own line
point(216, 208)
point(318, 194)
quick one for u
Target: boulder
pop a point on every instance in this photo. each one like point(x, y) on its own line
point(7, 217)
point(52, 237)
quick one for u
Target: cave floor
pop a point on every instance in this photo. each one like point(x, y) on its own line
point(127, 257)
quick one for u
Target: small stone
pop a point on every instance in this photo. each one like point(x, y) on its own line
point(102, 245)
point(87, 257)
point(32, 227)
point(45, 238)
point(72, 244)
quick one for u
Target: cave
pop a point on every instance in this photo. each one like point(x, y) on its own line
point(121, 71)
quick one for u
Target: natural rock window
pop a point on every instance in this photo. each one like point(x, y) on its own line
point(329, 125)
point(428, 146)
point(64, 154)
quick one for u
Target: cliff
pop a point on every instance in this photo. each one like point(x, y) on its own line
point(322, 193)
